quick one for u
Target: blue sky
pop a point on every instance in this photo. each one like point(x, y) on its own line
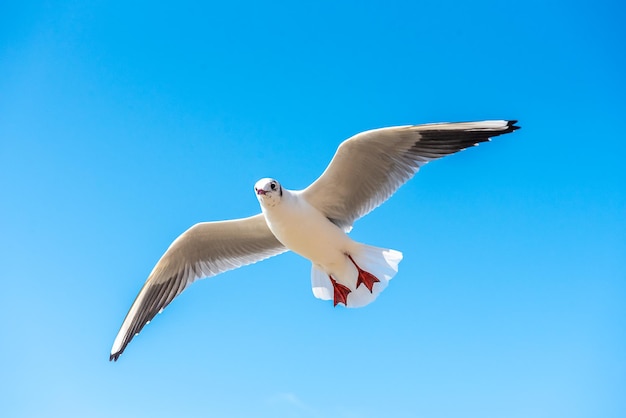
point(124, 123)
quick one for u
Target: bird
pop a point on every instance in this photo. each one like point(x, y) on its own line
point(314, 222)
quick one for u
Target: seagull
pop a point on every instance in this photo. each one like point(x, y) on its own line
point(314, 222)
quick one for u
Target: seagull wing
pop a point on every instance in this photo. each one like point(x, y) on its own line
point(369, 167)
point(204, 250)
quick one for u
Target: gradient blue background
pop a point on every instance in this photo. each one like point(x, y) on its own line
point(124, 123)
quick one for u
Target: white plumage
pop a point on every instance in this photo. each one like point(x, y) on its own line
point(365, 171)
point(308, 232)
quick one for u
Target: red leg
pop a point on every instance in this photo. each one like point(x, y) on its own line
point(365, 277)
point(340, 292)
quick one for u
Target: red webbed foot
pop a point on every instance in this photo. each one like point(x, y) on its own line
point(340, 292)
point(365, 277)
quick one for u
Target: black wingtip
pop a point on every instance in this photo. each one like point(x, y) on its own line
point(511, 126)
point(114, 357)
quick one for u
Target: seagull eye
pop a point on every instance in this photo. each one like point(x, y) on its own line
point(273, 186)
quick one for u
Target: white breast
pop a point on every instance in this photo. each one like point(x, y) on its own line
point(306, 231)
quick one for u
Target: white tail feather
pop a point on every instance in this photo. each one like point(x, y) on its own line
point(322, 288)
point(381, 262)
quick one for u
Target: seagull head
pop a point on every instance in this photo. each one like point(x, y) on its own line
point(268, 191)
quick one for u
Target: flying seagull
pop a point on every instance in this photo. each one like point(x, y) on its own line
point(365, 171)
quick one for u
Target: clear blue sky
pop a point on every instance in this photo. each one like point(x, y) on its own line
point(124, 123)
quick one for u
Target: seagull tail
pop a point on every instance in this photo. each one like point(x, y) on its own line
point(381, 262)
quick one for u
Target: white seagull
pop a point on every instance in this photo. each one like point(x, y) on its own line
point(365, 171)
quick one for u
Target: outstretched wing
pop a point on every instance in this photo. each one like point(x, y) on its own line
point(204, 250)
point(369, 167)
